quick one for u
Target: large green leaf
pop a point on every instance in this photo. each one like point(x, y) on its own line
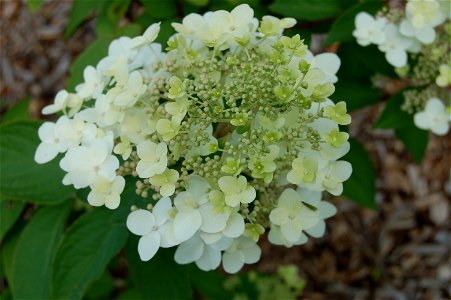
point(7, 251)
point(110, 15)
point(343, 26)
point(415, 140)
point(9, 213)
point(35, 251)
point(357, 93)
point(360, 187)
point(90, 243)
point(393, 116)
point(102, 288)
point(157, 9)
point(96, 51)
point(310, 10)
point(21, 178)
point(159, 278)
point(81, 10)
point(208, 284)
point(19, 112)
point(362, 62)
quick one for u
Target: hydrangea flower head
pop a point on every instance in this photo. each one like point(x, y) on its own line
point(223, 128)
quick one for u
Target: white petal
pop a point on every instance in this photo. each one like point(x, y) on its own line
point(198, 185)
point(309, 196)
point(426, 35)
point(396, 57)
point(308, 217)
point(47, 131)
point(363, 20)
point(186, 224)
point(212, 222)
point(275, 236)
point(341, 170)
point(252, 254)
point(167, 235)
point(440, 128)
point(140, 222)
point(148, 245)
point(235, 226)
point(406, 28)
point(232, 262)
point(167, 190)
point(223, 244)
point(210, 238)
point(161, 209)
point(318, 230)
point(302, 240)
point(112, 201)
point(326, 209)
point(189, 251)
point(278, 216)
point(45, 153)
point(328, 62)
point(210, 259)
point(96, 199)
point(421, 120)
point(291, 232)
point(435, 107)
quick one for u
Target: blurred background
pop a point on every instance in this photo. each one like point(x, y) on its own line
point(399, 250)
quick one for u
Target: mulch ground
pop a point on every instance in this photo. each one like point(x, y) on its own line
point(401, 251)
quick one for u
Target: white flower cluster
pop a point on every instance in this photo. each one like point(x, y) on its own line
point(421, 29)
point(395, 38)
point(435, 117)
point(231, 127)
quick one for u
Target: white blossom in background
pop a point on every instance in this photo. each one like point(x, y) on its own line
point(434, 117)
point(218, 129)
point(369, 30)
point(420, 30)
point(395, 46)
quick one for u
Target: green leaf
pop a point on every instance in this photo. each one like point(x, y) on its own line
point(19, 112)
point(130, 30)
point(159, 278)
point(311, 10)
point(102, 288)
point(343, 26)
point(357, 93)
point(208, 284)
point(158, 9)
point(35, 251)
point(393, 116)
point(110, 15)
point(8, 249)
point(198, 3)
point(81, 10)
point(10, 211)
point(35, 5)
point(360, 187)
point(130, 294)
point(91, 56)
point(21, 178)
point(90, 243)
point(415, 140)
point(362, 62)
point(166, 30)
